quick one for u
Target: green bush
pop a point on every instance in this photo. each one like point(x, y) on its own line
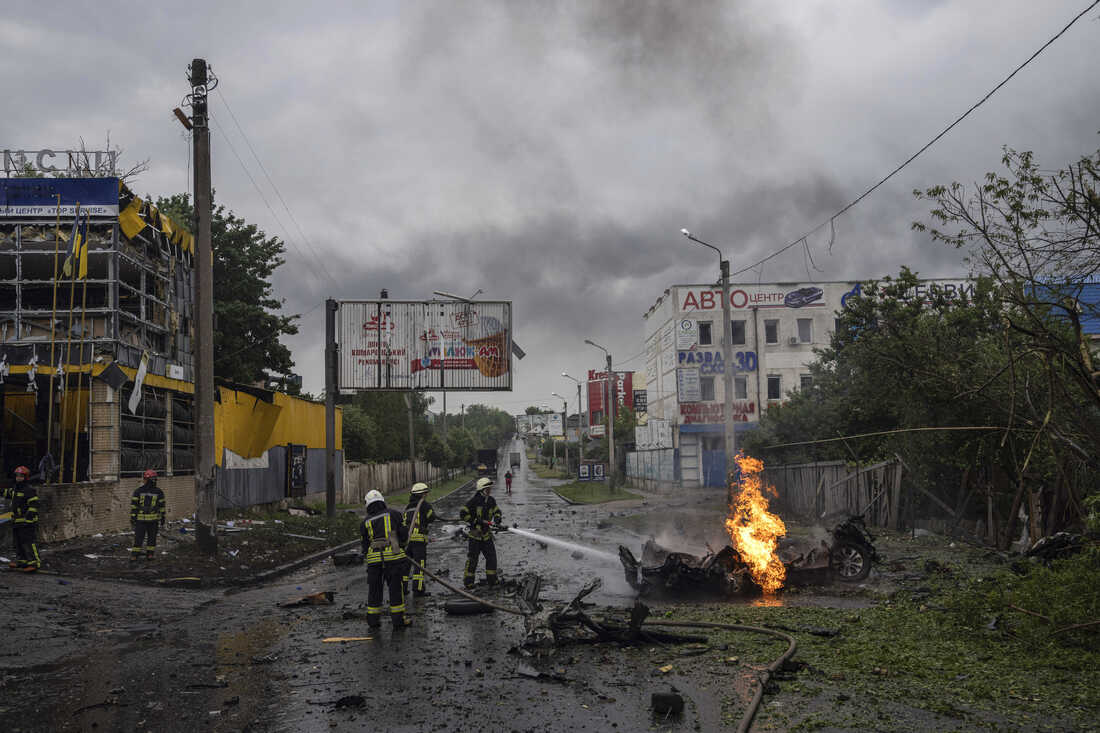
point(1039, 607)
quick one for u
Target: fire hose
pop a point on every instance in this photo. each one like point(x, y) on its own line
point(747, 718)
point(765, 676)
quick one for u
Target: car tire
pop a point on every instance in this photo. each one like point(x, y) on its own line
point(850, 562)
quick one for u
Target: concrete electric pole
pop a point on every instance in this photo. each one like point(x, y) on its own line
point(205, 496)
point(727, 352)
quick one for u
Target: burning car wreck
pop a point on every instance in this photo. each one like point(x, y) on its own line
point(846, 557)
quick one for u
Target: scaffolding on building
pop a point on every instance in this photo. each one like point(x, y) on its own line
point(72, 347)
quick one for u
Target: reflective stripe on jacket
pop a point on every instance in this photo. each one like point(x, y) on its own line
point(418, 526)
point(147, 504)
point(383, 537)
point(24, 503)
point(479, 510)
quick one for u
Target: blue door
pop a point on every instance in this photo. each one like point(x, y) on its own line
point(714, 468)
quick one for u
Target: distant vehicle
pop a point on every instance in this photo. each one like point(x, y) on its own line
point(514, 459)
point(802, 296)
point(487, 462)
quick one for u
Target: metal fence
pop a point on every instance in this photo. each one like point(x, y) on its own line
point(267, 483)
point(660, 466)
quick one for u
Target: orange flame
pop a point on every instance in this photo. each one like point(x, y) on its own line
point(754, 530)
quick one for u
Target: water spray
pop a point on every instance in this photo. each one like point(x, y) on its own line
point(572, 546)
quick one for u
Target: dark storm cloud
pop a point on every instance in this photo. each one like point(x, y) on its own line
point(550, 152)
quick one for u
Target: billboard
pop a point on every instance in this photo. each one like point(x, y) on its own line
point(424, 345)
point(37, 197)
point(554, 424)
point(622, 389)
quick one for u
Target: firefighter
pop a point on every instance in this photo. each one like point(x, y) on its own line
point(384, 539)
point(418, 515)
point(147, 511)
point(481, 513)
point(24, 513)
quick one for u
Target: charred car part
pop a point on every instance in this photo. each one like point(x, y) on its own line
point(847, 557)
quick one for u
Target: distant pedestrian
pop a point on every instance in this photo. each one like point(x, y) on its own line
point(418, 515)
point(147, 513)
point(481, 514)
point(384, 538)
point(508, 482)
point(24, 513)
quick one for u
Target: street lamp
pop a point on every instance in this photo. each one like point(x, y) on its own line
point(727, 349)
point(607, 410)
point(581, 424)
point(564, 426)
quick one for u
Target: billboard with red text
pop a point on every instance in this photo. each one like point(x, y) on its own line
point(424, 345)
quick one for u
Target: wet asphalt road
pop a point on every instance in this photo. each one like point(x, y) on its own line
point(113, 656)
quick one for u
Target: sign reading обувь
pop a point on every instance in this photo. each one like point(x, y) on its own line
point(76, 162)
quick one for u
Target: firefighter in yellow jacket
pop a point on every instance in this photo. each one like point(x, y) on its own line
point(384, 538)
point(147, 513)
point(481, 515)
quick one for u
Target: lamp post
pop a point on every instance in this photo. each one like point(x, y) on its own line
point(608, 418)
point(581, 423)
point(727, 350)
point(564, 426)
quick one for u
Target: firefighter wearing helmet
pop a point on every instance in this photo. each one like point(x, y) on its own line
point(418, 515)
point(147, 513)
point(384, 539)
point(481, 514)
point(24, 513)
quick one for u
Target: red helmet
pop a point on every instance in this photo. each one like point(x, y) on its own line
point(22, 471)
point(149, 473)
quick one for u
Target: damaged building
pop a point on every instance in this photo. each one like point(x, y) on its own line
point(96, 341)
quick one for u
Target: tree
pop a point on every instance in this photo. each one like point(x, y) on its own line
point(463, 447)
point(247, 323)
point(382, 431)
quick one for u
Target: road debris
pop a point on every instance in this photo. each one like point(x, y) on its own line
point(667, 703)
point(320, 598)
point(338, 639)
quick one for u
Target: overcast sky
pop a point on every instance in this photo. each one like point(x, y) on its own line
point(549, 153)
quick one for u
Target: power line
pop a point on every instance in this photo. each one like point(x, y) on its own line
point(893, 432)
point(930, 143)
point(274, 187)
point(263, 198)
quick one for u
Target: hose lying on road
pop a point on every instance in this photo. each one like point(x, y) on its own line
point(750, 713)
point(746, 719)
point(461, 592)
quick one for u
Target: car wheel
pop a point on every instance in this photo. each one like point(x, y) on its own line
point(850, 562)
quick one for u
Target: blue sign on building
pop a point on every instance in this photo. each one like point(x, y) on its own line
point(39, 197)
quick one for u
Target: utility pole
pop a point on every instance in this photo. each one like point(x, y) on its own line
point(330, 407)
point(727, 367)
point(412, 435)
point(610, 422)
point(727, 352)
point(205, 497)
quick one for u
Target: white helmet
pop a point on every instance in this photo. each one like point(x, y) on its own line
point(372, 496)
point(484, 483)
point(420, 488)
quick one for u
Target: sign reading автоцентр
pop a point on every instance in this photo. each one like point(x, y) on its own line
point(424, 345)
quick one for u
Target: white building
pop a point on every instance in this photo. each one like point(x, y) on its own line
point(775, 328)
